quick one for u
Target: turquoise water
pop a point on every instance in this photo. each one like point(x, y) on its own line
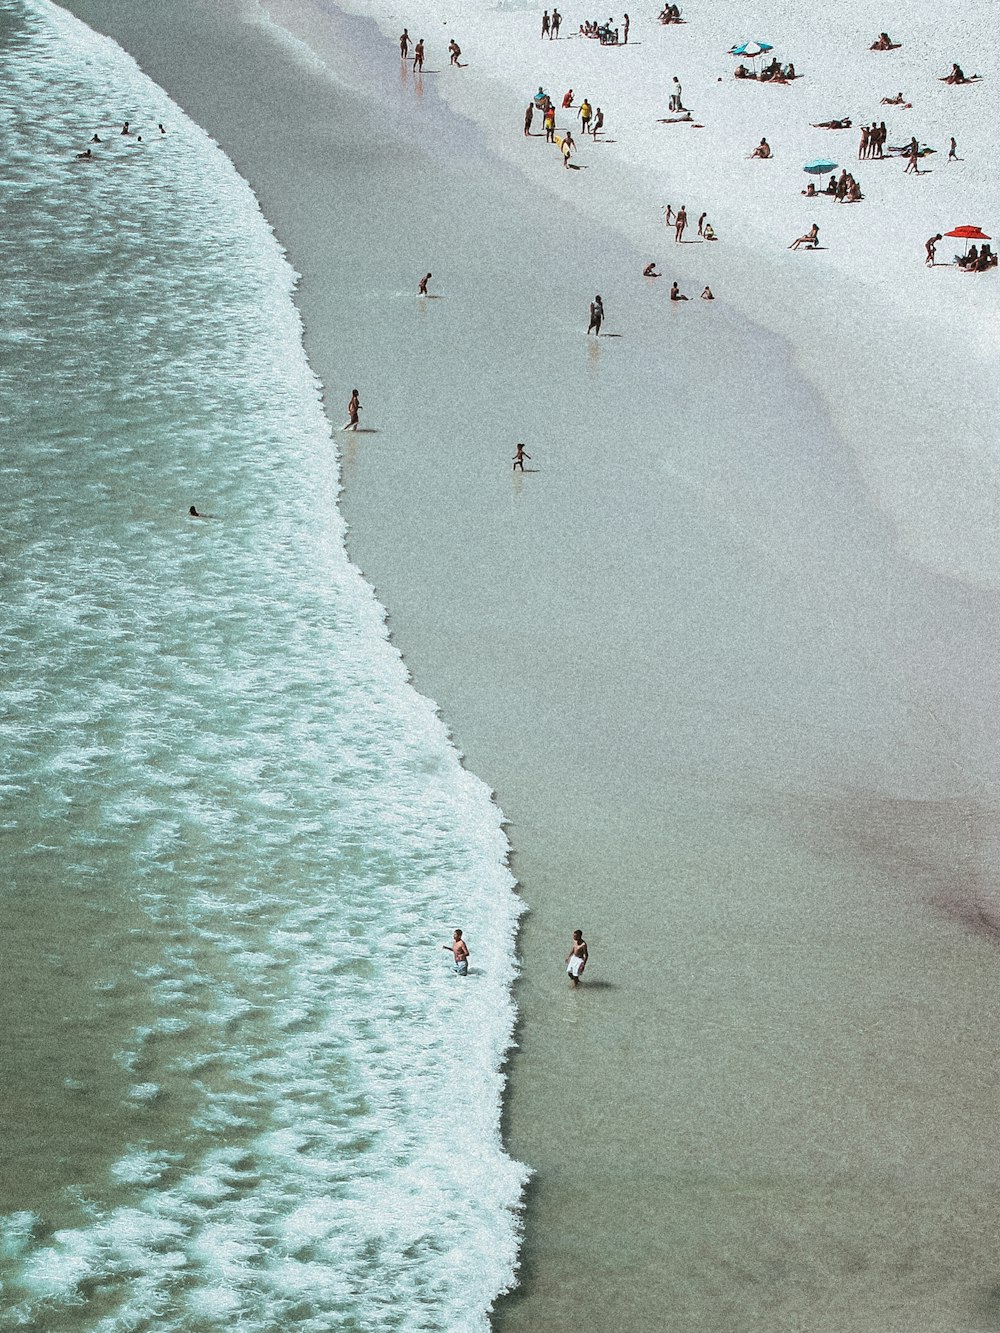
point(240, 1083)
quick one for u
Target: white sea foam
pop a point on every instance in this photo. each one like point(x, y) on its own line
point(224, 778)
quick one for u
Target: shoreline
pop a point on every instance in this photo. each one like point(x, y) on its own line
point(715, 765)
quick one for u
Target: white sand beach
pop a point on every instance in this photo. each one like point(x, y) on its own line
point(727, 653)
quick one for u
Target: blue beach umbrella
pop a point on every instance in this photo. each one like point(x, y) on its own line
point(751, 50)
point(819, 166)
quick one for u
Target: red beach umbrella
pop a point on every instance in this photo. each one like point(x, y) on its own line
point(969, 233)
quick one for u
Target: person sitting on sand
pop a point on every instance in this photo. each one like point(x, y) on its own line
point(810, 190)
point(844, 124)
point(956, 75)
point(811, 238)
point(831, 186)
point(763, 149)
point(709, 234)
point(650, 270)
point(854, 195)
point(790, 72)
point(741, 72)
point(676, 294)
point(883, 42)
point(707, 295)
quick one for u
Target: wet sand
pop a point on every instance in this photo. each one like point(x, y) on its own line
point(739, 739)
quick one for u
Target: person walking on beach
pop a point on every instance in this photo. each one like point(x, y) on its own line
point(596, 317)
point(455, 50)
point(912, 162)
point(418, 57)
point(528, 117)
point(625, 26)
point(404, 44)
point(668, 215)
point(931, 248)
point(422, 289)
point(598, 123)
point(353, 408)
point(701, 224)
point(519, 458)
point(952, 150)
point(545, 24)
point(460, 953)
point(576, 959)
point(554, 26)
point(680, 222)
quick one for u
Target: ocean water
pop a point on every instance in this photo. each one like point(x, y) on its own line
point(240, 1084)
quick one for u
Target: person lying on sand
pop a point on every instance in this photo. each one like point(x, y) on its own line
point(883, 42)
point(898, 100)
point(763, 149)
point(811, 238)
point(676, 120)
point(650, 271)
point(844, 124)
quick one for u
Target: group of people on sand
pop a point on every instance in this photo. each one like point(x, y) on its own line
point(873, 137)
point(843, 189)
point(606, 33)
point(670, 14)
point(883, 42)
point(576, 960)
point(679, 221)
point(775, 72)
point(454, 52)
point(977, 260)
point(551, 23)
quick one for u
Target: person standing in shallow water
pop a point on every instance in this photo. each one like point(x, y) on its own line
point(460, 953)
point(418, 57)
point(519, 458)
point(576, 959)
point(422, 289)
point(353, 408)
point(596, 316)
point(404, 44)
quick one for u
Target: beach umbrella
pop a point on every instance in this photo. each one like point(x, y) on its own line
point(819, 166)
point(751, 50)
point(969, 233)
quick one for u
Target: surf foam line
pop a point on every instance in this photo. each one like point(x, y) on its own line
point(310, 1131)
